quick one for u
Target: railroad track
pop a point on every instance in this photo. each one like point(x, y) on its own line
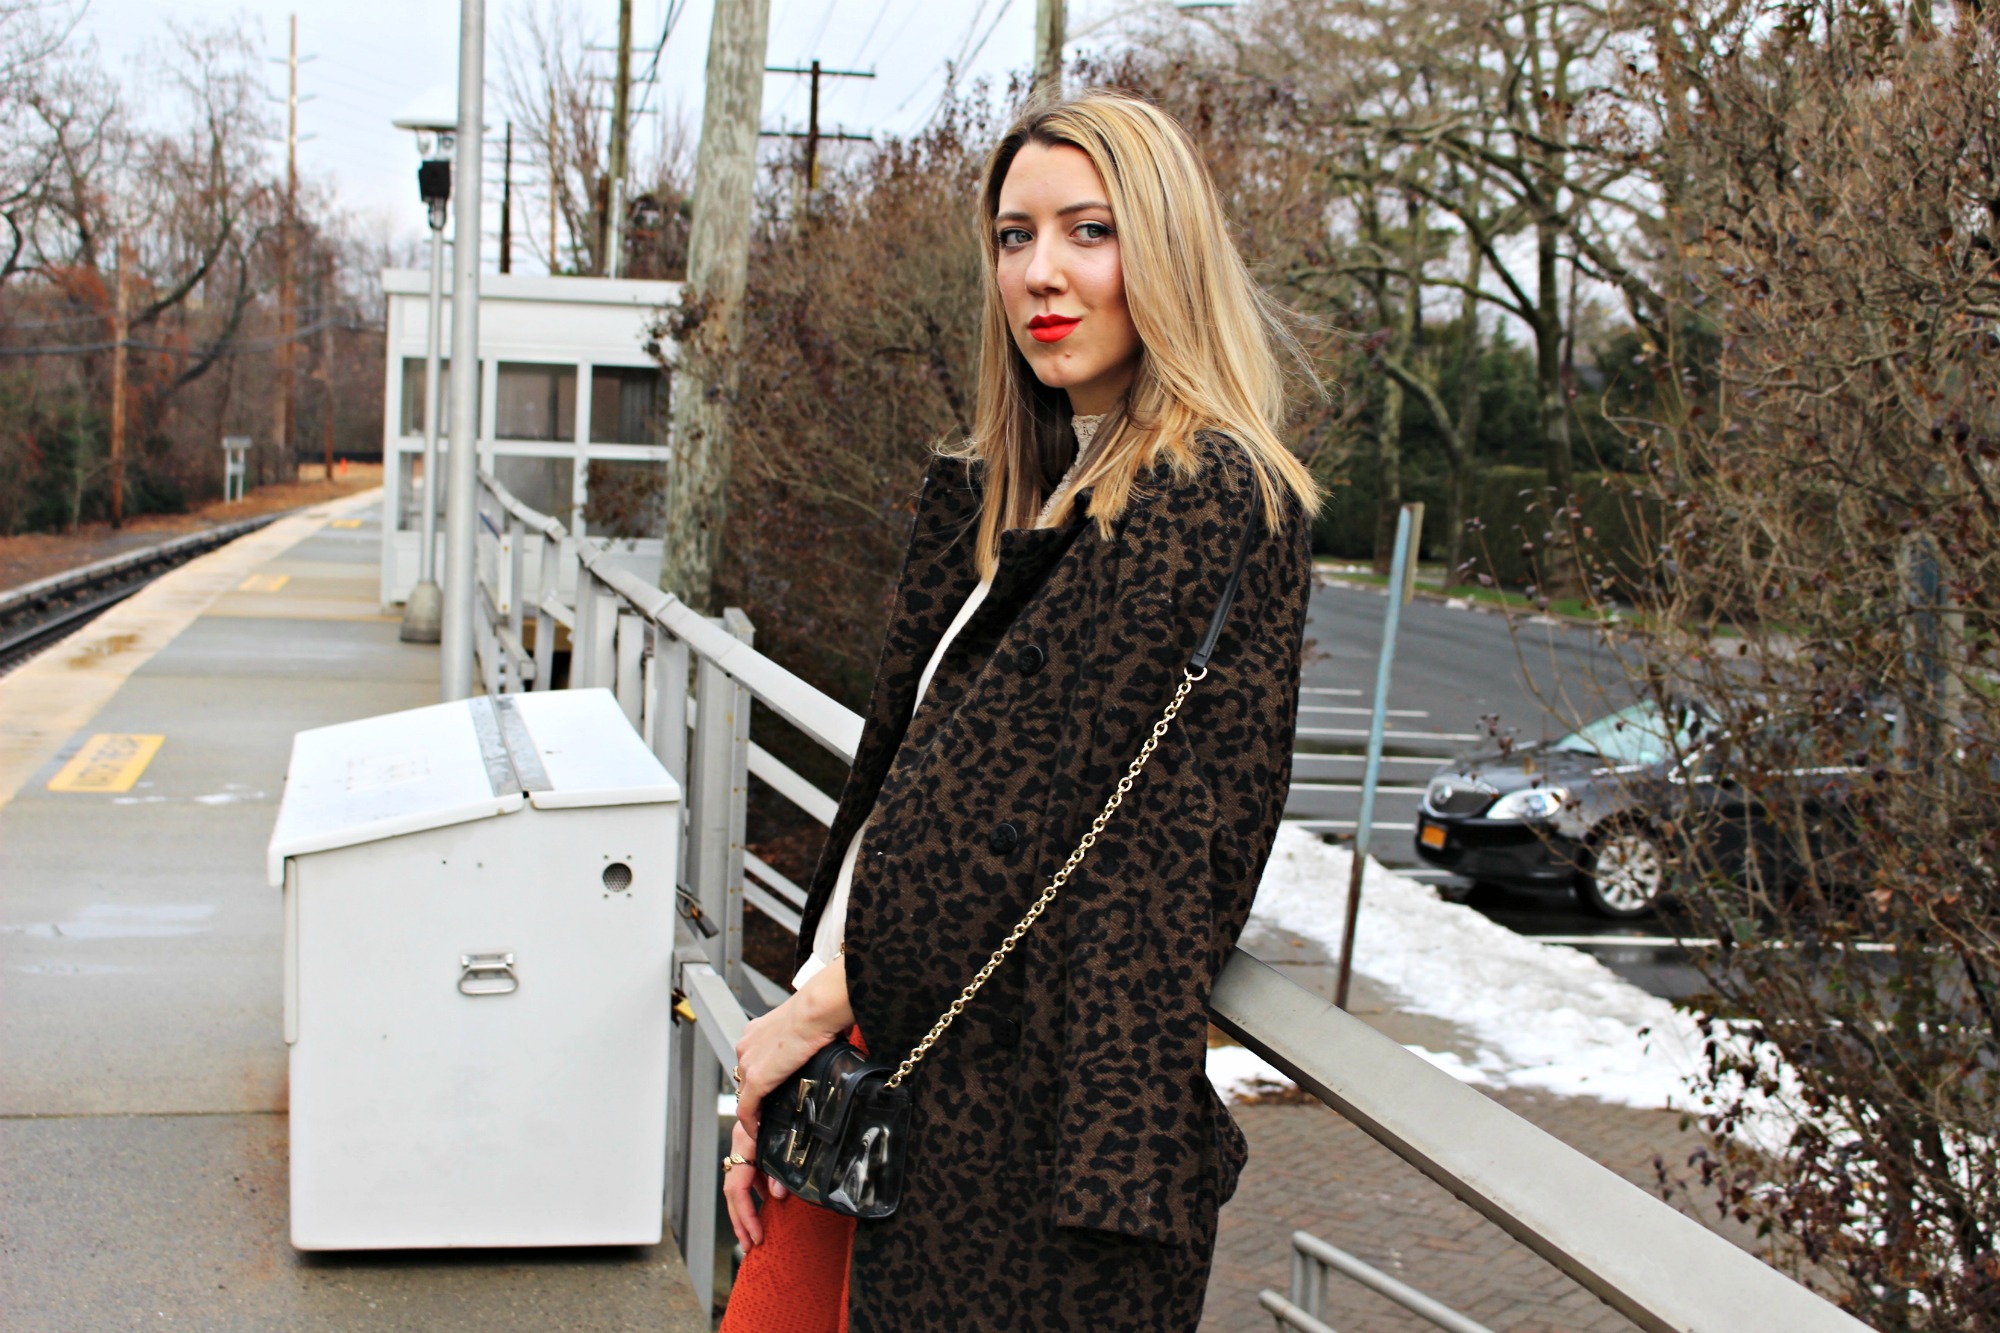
point(36, 615)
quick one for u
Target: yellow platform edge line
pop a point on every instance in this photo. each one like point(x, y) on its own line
point(110, 761)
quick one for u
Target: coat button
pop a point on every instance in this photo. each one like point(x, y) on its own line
point(1030, 659)
point(1004, 838)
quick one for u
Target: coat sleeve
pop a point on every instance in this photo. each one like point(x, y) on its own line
point(1153, 913)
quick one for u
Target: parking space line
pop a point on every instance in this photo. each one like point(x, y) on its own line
point(1361, 734)
point(1427, 760)
point(1363, 712)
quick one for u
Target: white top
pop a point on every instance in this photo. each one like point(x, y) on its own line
point(830, 935)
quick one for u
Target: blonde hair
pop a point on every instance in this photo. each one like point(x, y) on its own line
point(1212, 342)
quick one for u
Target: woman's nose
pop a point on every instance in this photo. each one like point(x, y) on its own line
point(1045, 272)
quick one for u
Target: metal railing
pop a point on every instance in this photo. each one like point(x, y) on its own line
point(1313, 1259)
point(687, 683)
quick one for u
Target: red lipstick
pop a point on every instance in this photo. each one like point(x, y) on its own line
point(1052, 328)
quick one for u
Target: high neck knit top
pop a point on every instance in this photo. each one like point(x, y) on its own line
point(1086, 434)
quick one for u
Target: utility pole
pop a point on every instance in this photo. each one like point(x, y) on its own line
point(1048, 48)
point(507, 204)
point(621, 107)
point(812, 136)
point(121, 328)
point(326, 360)
point(461, 490)
point(554, 265)
point(718, 264)
point(288, 318)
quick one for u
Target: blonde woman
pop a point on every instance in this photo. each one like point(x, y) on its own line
point(1069, 1155)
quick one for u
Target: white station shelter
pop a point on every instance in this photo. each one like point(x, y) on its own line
point(571, 403)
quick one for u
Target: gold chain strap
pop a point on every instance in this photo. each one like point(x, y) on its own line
point(1083, 847)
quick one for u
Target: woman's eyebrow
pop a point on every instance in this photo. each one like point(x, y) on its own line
point(1063, 212)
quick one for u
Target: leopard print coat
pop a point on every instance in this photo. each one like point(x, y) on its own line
point(1070, 1155)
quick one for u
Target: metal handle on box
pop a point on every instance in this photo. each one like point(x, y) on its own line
point(487, 974)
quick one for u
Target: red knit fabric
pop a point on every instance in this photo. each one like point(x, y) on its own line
point(795, 1281)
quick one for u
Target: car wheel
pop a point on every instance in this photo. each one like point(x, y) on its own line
point(1626, 873)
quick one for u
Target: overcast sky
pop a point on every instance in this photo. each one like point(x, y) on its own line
point(371, 59)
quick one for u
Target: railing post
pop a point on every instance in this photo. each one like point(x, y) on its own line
point(582, 636)
point(718, 786)
point(683, 1045)
point(668, 711)
point(549, 591)
point(517, 583)
point(1308, 1282)
point(603, 667)
point(704, 1168)
point(631, 678)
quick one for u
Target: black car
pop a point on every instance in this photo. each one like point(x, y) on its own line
point(1592, 810)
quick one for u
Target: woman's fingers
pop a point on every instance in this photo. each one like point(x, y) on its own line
point(750, 1103)
point(739, 1190)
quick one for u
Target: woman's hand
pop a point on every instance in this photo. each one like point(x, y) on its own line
point(773, 1047)
point(739, 1190)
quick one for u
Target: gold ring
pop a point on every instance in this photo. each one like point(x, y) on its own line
point(734, 1159)
point(736, 1076)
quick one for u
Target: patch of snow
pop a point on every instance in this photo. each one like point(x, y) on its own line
point(1238, 1072)
point(1451, 1062)
point(1539, 1016)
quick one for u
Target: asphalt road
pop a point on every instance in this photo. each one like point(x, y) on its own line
point(1463, 678)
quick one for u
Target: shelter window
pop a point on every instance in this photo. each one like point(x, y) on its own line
point(536, 402)
point(628, 404)
point(413, 395)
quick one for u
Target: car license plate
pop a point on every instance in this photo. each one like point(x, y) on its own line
point(1432, 836)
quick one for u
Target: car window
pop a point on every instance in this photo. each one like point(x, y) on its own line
point(1640, 734)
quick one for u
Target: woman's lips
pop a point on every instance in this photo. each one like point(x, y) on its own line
point(1052, 328)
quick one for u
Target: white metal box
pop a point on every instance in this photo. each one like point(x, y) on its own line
point(478, 939)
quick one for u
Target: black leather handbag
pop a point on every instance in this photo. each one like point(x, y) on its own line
point(837, 1132)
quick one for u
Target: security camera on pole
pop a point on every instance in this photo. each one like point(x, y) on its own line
point(423, 613)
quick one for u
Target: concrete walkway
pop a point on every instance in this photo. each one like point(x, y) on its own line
point(142, 1064)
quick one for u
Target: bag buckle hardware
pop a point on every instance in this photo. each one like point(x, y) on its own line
point(797, 1143)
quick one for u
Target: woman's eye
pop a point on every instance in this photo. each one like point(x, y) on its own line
point(1093, 231)
point(1009, 237)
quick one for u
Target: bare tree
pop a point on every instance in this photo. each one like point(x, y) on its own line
point(31, 33)
point(560, 117)
point(1828, 463)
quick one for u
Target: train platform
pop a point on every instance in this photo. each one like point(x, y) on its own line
point(143, 1173)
